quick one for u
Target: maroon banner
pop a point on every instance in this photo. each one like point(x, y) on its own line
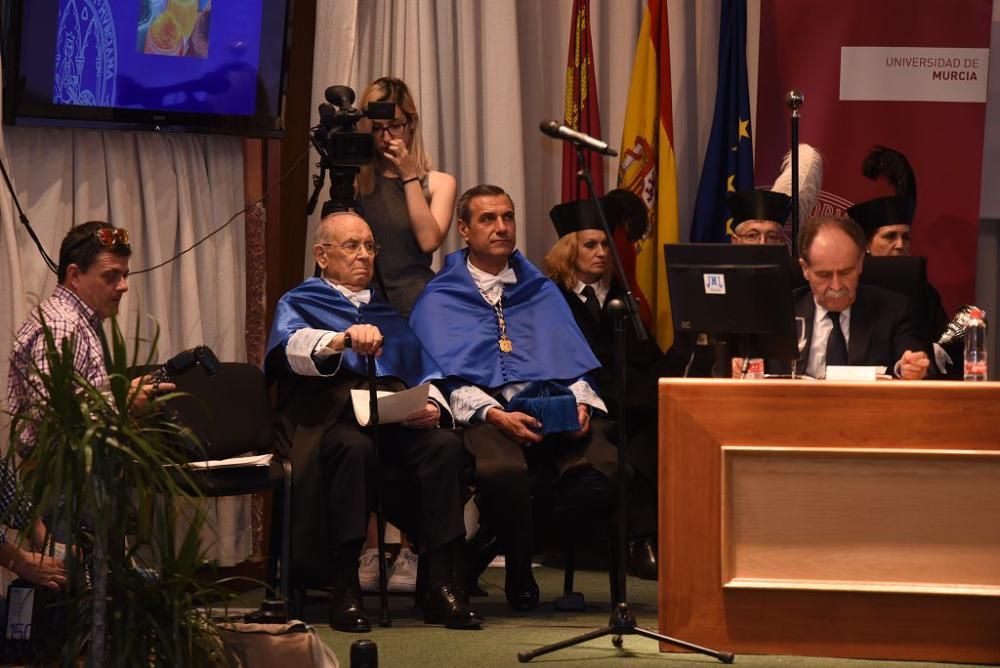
point(581, 105)
point(907, 74)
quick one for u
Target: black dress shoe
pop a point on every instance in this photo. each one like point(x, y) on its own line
point(642, 557)
point(446, 605)
point(346, 613)
point(479, 552)
point(521, 589)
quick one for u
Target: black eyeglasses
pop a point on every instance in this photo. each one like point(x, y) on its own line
point(754, 236)
point(394, 130)
point(354, 247)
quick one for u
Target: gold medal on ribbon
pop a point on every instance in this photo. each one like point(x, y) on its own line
point(506, 346)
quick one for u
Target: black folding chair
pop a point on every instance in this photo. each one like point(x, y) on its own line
point(231, 412)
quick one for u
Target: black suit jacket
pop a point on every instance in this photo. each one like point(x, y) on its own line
point(645, 362)
point(882, 328)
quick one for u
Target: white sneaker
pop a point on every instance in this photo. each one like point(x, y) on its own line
point(404, 572)
point(368, 570)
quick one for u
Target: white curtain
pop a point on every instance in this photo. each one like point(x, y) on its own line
point(486, 72)
point(168, 191)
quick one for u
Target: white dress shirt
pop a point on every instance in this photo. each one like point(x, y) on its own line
point(601, 289)
point(822, 326)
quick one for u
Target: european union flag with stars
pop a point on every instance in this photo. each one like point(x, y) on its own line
point(728, 165)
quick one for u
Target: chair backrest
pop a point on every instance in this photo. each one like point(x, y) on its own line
point(231, 410)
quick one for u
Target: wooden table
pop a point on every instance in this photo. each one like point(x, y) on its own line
point(831, 519)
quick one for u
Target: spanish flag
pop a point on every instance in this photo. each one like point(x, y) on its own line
point(647, 165)
point(581, 112)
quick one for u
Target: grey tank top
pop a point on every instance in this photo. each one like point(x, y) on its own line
point(404, 268)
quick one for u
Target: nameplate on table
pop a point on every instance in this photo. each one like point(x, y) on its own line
point(856, 373)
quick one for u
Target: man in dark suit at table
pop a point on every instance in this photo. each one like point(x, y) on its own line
point(848, 323)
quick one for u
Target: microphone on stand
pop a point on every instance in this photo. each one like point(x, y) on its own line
point(560, 131)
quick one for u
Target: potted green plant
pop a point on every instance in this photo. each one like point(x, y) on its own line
point(106, 474)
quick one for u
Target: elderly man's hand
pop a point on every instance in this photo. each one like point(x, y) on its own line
point(913, 365)
point(519, 427)
point(426, 418)
point(365, 340)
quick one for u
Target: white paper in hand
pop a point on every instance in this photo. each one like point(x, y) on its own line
point(392, 406)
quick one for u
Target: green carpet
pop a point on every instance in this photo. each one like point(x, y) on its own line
point(410, 643)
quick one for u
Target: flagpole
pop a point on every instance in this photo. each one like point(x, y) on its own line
point(794, 100)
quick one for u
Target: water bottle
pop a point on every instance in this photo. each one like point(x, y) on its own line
point(975, 346)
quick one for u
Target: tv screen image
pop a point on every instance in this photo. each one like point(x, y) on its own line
point(176, 28)
point(199, 65)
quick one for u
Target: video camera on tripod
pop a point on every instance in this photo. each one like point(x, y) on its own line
point(342, 149)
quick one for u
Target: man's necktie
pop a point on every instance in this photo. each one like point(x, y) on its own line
point(591, 302)
point(836, 345)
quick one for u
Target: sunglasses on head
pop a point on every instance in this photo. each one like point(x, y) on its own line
point(109, 236)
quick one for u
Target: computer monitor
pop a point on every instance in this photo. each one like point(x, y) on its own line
point(904, 274)
point(737, 294)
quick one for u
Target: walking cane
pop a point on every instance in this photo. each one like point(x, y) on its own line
point(385, 620)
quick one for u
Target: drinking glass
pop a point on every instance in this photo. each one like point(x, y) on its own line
point(800, 337)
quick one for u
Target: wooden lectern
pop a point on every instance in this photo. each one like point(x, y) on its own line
point(831, 519)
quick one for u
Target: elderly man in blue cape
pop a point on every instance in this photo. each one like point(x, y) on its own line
point(323, 330)
point(516, 366)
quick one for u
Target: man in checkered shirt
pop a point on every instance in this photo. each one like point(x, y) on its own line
point(93, 278)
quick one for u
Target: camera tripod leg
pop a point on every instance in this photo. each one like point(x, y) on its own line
point(724, 657)
point(525, 657)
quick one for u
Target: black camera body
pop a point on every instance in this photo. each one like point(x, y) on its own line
point(190, 439)
point(185, 361)
point(341, 147)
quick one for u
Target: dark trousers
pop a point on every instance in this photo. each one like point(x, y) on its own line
point(576, 477)
point(335, 495)
point(643, 498)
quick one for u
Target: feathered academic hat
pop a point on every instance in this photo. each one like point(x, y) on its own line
point(620, 206)
point(759, 205)
point(891, 166)
point(810, 179)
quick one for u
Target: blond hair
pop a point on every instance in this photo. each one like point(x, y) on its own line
point(560, 261)
point(389, 89)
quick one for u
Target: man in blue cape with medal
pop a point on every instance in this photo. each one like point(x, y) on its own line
point(322, 332)
point(516, 367)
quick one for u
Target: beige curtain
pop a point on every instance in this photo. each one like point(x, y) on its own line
point(486, 72)
point(168, 191)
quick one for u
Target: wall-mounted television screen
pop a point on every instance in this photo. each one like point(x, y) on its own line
point(167, 65)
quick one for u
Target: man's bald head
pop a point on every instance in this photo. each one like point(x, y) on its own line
point(324, 231)
point(345, 250)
